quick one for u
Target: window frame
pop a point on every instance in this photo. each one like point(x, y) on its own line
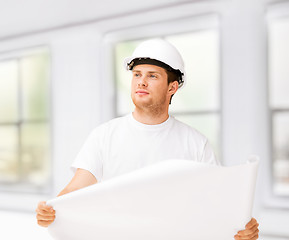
point(183, 25)
point(9, 194)
point(274, 11)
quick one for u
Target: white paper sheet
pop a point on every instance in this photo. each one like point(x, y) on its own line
point(171, 200)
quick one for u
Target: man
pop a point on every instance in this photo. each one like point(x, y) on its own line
point(146, 136)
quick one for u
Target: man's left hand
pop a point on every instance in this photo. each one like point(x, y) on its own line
point(251, 231)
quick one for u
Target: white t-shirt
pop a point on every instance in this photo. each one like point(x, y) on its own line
point(124, 144)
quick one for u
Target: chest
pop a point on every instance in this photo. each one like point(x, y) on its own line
point(126, 151)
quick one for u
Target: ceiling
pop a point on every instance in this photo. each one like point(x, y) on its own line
point(23, 17)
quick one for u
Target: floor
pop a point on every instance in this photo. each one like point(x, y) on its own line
point(15, 226)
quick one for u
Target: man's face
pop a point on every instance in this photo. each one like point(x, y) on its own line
point(149, 87)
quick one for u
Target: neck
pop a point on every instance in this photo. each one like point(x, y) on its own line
point(150, 117)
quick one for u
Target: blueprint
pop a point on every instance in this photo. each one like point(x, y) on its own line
point(173, 199)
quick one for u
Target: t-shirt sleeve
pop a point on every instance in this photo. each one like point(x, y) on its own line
point(208, 155)
point(90, 155)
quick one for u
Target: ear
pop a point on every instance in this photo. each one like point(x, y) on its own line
point(173, 87)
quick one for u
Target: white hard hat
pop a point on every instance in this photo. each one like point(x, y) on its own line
point(165, 54)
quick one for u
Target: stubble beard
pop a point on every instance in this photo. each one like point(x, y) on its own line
point(151, 108)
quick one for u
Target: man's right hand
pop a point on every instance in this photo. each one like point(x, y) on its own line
point(82, 178)
point(45, 214)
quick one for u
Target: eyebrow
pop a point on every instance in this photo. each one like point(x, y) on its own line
point(147, 71)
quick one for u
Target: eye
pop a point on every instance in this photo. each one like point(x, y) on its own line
point(136, 74)
point(153, 76)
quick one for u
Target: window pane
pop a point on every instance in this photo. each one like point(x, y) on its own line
point(281, 153)
point(8, 91)
point(208, 125)
point(35, 165)
point(278, 35)
point(123, 78)
point(34, 80)
point(9, 154)
point(200, 51)
point(24, 134)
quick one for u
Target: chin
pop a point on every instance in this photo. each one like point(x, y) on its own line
point(141, 103)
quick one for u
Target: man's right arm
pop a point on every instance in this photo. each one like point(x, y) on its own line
point(82, 178)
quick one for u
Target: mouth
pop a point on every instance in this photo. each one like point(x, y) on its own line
point(141, 92)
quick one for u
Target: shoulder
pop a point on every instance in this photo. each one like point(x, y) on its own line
point(197, 144)
point(188, 131)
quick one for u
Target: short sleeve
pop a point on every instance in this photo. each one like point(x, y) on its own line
point(208, 155)
point(90, 155)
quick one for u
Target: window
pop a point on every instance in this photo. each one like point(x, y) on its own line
point(198, 102)
point(24, 121)
point(278, 38)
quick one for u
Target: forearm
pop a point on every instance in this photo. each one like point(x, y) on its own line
point(81, 179)
point(65, 191)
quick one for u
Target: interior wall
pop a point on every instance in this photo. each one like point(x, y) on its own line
point(75, 107)
point(79, 103)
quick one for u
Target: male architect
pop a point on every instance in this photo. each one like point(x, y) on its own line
point(147, 135)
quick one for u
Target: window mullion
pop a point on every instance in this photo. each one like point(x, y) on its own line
point(19, 121)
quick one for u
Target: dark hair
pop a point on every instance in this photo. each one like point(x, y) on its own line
point(172, 76)
point(175, 76)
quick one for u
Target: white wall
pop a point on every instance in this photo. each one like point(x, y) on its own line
point(77, 87)
point(75, 112)
point(75, 95)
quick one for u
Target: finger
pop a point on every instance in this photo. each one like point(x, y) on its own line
point(252, 222)
point(45, 218)
point(44, 212)
point(46, 207)
point(253, 235)
point(256, 237)
point(42, 205)
point(242, 238)
point(248, 231)
point(43, 223)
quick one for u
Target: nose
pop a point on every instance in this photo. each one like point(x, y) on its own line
point(142, 82)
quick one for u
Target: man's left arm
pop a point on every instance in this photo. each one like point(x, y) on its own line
point(251, 231)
